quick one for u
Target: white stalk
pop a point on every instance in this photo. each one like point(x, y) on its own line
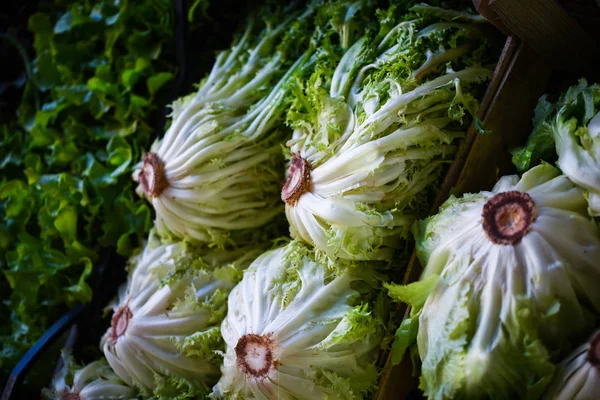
point(578, 376)
point(95, 381)
point(214, 175)
point(372, 148)
point(165, 322)
point(290, 325)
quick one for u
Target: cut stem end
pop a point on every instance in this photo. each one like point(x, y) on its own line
point(120, 322)
point(593, 354)
point(298, 181)
point(152, 177)
point(508, 217)
point(254, 355)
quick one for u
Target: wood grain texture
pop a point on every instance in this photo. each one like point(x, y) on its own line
point(509, 119)
point(483, 8)
point(507, 107)
point(547, 28)
point(457, 166)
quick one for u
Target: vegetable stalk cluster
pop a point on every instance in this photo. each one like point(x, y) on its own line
point(368, 104)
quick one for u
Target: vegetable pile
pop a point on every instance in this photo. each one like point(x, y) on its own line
point(364, 105)
point(510, 283)
point(89, 107)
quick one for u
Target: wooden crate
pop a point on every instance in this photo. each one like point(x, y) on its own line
point(507, 107)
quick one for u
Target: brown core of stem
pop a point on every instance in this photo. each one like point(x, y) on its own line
point(298, 181)
point(120, 322)
point(593, 354)
point(254, 355)
point(152, 177)
point(508, 217)
point(70, 396)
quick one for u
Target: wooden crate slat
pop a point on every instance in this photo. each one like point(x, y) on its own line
point(457, 166)
point(550, 31)
point(483, 8)
point(509, 119)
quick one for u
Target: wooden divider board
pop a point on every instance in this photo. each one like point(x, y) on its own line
point(506, 109)
point(547, 27)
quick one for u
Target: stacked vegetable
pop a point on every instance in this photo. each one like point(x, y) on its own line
point(377, 101)
point(92, 97)
point(210, 176)
point(510, 279)
point(298, 325)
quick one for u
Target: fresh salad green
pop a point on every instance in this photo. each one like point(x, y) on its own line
point(570, 127)
point(510, 282)
point(91, 105)
point(165, 325)
point(368, 100)
point(295, 330)
point(214, 177)
point(375, 122)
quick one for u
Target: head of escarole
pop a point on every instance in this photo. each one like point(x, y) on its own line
point(593, 353)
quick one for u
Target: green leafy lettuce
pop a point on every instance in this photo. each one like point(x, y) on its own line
point(99, 73)
point(569, 128)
